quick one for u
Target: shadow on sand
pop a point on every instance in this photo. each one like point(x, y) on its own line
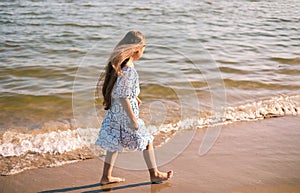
point(155, 188)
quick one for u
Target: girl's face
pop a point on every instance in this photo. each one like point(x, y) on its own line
point(138, 54)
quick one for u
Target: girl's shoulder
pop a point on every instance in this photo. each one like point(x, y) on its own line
point(129, 70)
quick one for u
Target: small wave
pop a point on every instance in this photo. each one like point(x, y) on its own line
point(266, 108)
point(17, 144)
point(286, 60)
point(68, 50)
point(11, 45)
point(274, 107)
point(141, 9)
point(227, 62)
point(75, 25)
point(233, 70)
point(288, 72)
point(251, 84)
point(88, 5)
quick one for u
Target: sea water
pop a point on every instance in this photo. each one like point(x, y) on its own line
point(205, 63)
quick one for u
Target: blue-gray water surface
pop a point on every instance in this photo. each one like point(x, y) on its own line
point(250, 48)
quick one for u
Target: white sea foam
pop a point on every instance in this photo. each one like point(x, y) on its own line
point(16, 170)
point(274, 107)
point(16, 144)
point(58, 142)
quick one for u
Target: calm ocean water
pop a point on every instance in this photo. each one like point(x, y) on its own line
point(244, 54)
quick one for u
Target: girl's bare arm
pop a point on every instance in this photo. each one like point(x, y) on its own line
point(127, 107)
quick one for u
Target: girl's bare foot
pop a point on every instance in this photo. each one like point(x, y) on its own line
point(161, 176)
point(110, 180)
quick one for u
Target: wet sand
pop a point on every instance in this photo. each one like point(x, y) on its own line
point(261, 156)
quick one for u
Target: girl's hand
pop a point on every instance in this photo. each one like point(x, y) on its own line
point(134, 125)
point(139, 101)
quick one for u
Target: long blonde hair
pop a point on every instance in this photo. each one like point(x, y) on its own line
point(131, 43)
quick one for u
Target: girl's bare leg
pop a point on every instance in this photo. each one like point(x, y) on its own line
point(155, 175)
point(107, 178)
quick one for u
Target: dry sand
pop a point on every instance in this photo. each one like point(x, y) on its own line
point(261, 156)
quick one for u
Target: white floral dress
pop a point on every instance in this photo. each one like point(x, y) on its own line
point(115, 133)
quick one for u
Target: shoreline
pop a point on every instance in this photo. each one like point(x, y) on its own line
point(258, 156)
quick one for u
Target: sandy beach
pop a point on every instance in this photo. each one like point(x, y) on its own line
point(260, 156)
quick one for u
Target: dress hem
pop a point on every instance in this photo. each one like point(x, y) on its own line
point(121, 149)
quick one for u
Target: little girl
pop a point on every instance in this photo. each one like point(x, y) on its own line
point(122, 127)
